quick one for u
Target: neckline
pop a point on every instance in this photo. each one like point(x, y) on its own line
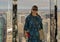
point(34, 16)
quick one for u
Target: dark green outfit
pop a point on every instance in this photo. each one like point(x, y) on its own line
point(33, 24)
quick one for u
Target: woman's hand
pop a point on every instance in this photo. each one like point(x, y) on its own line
point(27, 34)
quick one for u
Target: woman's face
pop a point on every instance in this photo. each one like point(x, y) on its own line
point(34, 11)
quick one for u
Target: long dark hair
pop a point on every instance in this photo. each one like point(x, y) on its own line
point(34, 6)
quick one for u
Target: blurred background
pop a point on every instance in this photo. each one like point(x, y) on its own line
point(23, 10)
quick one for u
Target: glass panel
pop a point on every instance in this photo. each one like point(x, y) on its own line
point(0, 31)
point(1, 26)
point(5, 6)
point(0, 40)
point(0, 36)
point(2, 23)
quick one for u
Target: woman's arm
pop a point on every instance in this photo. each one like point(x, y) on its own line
point(26, 28)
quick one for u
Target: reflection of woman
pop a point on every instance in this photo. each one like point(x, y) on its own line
point(33, 25)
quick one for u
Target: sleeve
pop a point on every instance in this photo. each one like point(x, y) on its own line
point(26, 26)
point(40, 24)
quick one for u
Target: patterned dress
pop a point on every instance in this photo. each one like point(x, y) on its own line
point(33, 24)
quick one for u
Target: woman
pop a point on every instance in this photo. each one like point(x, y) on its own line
point(33, 25)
